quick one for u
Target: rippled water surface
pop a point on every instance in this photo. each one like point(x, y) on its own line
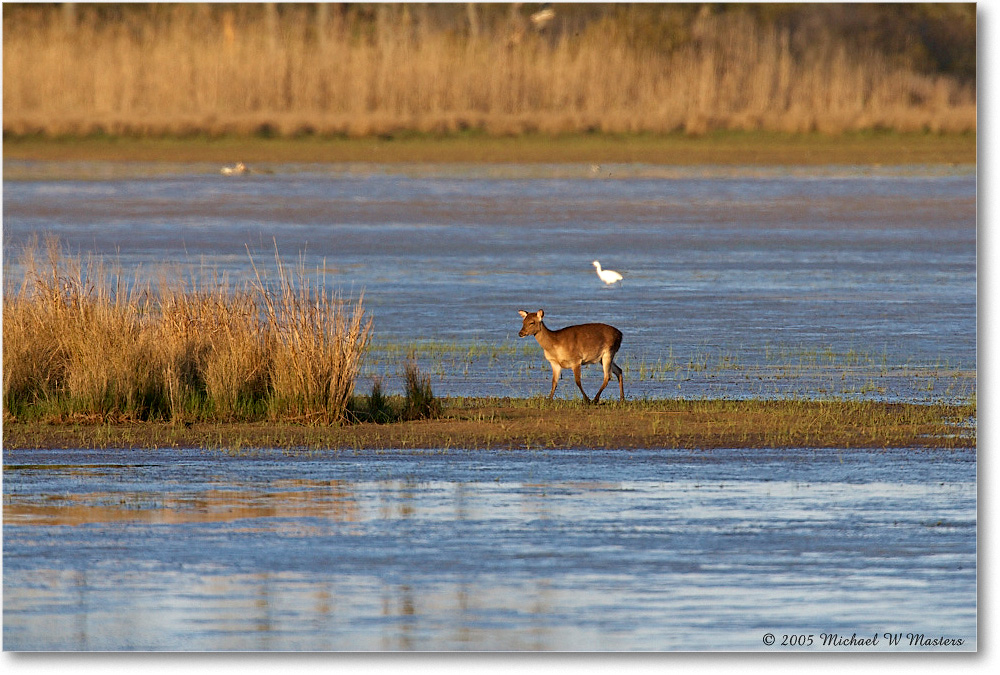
point(603, 550)
point(739, 282)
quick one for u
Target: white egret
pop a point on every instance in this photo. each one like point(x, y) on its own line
point(607, 276)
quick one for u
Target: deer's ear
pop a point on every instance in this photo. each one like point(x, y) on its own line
point(522, 313)
point(540, 313)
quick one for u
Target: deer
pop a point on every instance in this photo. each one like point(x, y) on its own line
point(575, 346)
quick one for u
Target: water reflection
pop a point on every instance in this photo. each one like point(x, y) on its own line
point(474, 550)
point(289, 498)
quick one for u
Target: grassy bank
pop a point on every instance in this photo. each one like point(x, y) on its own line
point(719, 148)
point(539, 424)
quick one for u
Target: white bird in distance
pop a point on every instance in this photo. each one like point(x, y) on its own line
point(607, 276)
point(237, 169)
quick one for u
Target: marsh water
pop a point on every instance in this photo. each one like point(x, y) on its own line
point(508, 550)
point(839, 282)
point(835, 282)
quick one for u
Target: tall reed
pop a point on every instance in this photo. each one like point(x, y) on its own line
point(240, 69)
point(80, 339)
point(315, 344)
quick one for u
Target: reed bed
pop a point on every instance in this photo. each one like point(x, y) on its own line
point(81, 340)
point(358, 71)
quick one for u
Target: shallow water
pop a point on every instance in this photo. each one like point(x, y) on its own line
point(739, 282)
point(602, 550)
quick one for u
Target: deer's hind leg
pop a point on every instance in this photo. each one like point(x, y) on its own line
point(609, 365)
point(576, 376)
point(618, 374)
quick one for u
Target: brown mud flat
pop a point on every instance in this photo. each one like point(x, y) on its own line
point(719, 148)
point(538, 424)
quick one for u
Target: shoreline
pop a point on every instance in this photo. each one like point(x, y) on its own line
point(716, 148)
point(539, 424)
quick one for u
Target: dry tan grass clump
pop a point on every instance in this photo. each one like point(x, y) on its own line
point(242, 69)
point(314, 345)
point(82, 340)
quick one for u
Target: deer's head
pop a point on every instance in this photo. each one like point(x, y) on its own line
point(532, 323)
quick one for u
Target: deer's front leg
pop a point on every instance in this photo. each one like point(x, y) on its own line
point(555, 379)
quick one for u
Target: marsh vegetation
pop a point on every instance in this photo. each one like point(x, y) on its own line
point(386, 69)
point(84, 339)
